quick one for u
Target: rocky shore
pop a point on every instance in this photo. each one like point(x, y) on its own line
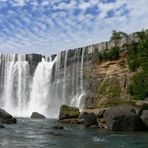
point(123, 117)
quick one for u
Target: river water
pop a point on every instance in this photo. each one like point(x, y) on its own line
point(29, 133)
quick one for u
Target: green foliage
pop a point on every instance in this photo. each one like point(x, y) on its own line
point(138, 58)
point(112, 54)
point(117, 35)
point(139, 88)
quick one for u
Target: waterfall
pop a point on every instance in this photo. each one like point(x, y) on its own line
point(51, 84)
point(77, 99)
point(16, 84)
point(64, 77)
point(41, 88)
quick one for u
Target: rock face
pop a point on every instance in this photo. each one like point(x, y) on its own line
point(89, 119)
point(68, 112)
point(144, 117)
point(123, 118)
point(36, 115)
point(6, 118)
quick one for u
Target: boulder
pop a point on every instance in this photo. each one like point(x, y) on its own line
point(6, 118)
point(68, 112)
point(89, 119)
point(144, 117)
point(123, 118)
point(36, 115)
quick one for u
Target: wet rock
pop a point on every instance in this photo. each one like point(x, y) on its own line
point(6, 118)
point(144, 117)
point(73, 121)
point(9, 121)
point(123, 118)
point(89, 119)
point(36, 115)
point(68, 112)
point(57, 126)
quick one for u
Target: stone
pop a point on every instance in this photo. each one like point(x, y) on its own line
point(68, 112)
point(123, 118)
point(6, 118)
point(89, 119)
point(36, 115)
point(57, 126)
point(144, 117)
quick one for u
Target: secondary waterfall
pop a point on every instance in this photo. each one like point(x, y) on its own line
point(16, 83)
point(52, 83)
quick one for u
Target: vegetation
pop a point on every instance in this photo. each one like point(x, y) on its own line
point(117, 35)
point(138, 62)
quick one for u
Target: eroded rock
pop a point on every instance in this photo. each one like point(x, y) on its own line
point(123, 118)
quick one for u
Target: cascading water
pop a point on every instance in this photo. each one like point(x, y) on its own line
point(41, 88)
point(16, 84)
point(52, 84)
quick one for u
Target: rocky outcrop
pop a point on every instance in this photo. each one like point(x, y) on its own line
point(123, 118)
point(68, 112)
point(6, 118)
point(36, 115)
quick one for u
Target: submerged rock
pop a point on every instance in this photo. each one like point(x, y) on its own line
point(36, 115)
point(68, 112)
point(123, 118)
point(6, 118)
point(89, 119)
point(1, 126)
point(57, 126)
point(55, 134)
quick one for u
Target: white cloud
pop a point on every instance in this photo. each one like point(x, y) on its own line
point(54, 25)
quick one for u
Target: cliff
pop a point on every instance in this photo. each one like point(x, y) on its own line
point(105, 82)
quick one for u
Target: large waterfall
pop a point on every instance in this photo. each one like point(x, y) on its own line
point(53, 82)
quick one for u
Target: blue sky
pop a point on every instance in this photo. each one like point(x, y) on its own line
point(49, 26)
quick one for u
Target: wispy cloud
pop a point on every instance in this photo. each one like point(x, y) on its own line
point(48, 26)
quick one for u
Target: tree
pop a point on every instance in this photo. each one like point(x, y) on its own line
point(117, 35)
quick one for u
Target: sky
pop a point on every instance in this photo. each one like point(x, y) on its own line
point(50, 26)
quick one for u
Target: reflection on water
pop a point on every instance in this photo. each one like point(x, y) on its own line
point(30, 133)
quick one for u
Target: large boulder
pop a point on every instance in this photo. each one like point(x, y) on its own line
point(89, 119)
point(68, 112)
point(36, 115)
point(6, 118)
point(123, 118)
point(144, 117)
